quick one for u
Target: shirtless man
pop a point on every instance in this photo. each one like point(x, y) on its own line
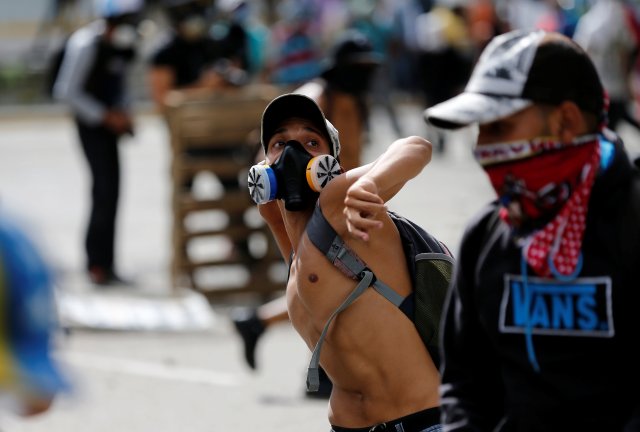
point(379, 366)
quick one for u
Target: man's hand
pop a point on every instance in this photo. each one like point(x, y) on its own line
point(362, 206)
point(118, 121)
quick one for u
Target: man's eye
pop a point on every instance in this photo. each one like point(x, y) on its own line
point(312, 143)
point(278, 144)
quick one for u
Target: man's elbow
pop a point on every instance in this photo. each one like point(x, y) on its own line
point(421, 149)
point(60, 93)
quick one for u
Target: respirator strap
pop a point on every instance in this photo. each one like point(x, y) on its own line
point(327, 240)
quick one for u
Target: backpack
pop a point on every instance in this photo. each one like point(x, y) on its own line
point(430, 266)
point(53, 69)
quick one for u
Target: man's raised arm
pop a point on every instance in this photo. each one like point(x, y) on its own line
point(376, 183)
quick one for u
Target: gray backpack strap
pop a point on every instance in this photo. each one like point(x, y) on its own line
point(387, 292)
point(327, 240)
point(313, 379)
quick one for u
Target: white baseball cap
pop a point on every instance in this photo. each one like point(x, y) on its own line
point(516, 70)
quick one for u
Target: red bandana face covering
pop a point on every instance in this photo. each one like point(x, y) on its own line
point(540, 178)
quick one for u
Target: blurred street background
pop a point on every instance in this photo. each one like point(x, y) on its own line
point(155, 356)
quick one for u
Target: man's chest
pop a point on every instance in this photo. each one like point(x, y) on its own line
point(315, 288)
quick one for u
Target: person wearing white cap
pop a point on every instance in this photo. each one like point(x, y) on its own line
point(609, 33)
point(92, 81)
point(383, 375)
point(541, 313)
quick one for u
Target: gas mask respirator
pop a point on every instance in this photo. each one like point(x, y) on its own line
point(124, 37)
point(296, 177)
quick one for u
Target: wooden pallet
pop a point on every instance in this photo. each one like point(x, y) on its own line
point(218, 134)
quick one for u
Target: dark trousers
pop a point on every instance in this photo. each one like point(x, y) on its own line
point(100, 147)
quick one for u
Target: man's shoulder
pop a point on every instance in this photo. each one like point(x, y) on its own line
point(335, 190)
point(86, 36)
point(417, 237)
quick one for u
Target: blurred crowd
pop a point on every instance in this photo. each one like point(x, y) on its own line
point(427, 47)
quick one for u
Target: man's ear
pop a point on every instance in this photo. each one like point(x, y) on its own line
point(570, 122)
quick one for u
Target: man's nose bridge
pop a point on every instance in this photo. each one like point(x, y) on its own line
point(288, 144)
point(292, 143)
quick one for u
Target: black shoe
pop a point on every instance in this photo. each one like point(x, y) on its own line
point(100, 276)
point(324, 391)
point(250, 328)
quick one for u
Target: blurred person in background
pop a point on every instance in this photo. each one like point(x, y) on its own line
point(189, 59)
point(607, 32)
point(242, 19)
point(342, 91)
point(374, 19)
point(483, 24)
point(29, 378)
point(92, 81)
point(446, 55)
point(230, 30)
point(404, 67)
point(542, 311)
point(294, 52)
point(562, 17)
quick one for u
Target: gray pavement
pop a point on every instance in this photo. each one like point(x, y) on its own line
point(182, 380)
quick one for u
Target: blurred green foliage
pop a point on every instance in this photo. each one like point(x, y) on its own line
point(20, 84)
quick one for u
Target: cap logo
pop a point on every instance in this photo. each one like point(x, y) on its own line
point(503, 68)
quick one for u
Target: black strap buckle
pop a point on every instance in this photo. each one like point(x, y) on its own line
point(362, 274)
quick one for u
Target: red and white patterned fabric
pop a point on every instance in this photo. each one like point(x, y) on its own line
point(561, 239)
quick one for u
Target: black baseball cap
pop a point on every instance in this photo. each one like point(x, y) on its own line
point(353, 49)
point(291, 105)
point(518, 69)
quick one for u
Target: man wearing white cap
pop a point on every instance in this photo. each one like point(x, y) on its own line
point(542, 311)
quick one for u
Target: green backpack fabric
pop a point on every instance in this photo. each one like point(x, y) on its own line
point(430, 266)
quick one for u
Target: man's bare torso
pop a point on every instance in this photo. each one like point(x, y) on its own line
point(373, 354)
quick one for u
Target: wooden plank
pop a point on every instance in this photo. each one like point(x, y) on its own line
point(187, 265)
point(231, 202)
point(223, 118)
point(219, 293)
point(233, 232)
point(219, 167)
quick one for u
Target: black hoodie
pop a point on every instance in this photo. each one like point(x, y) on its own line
point(584, 333)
